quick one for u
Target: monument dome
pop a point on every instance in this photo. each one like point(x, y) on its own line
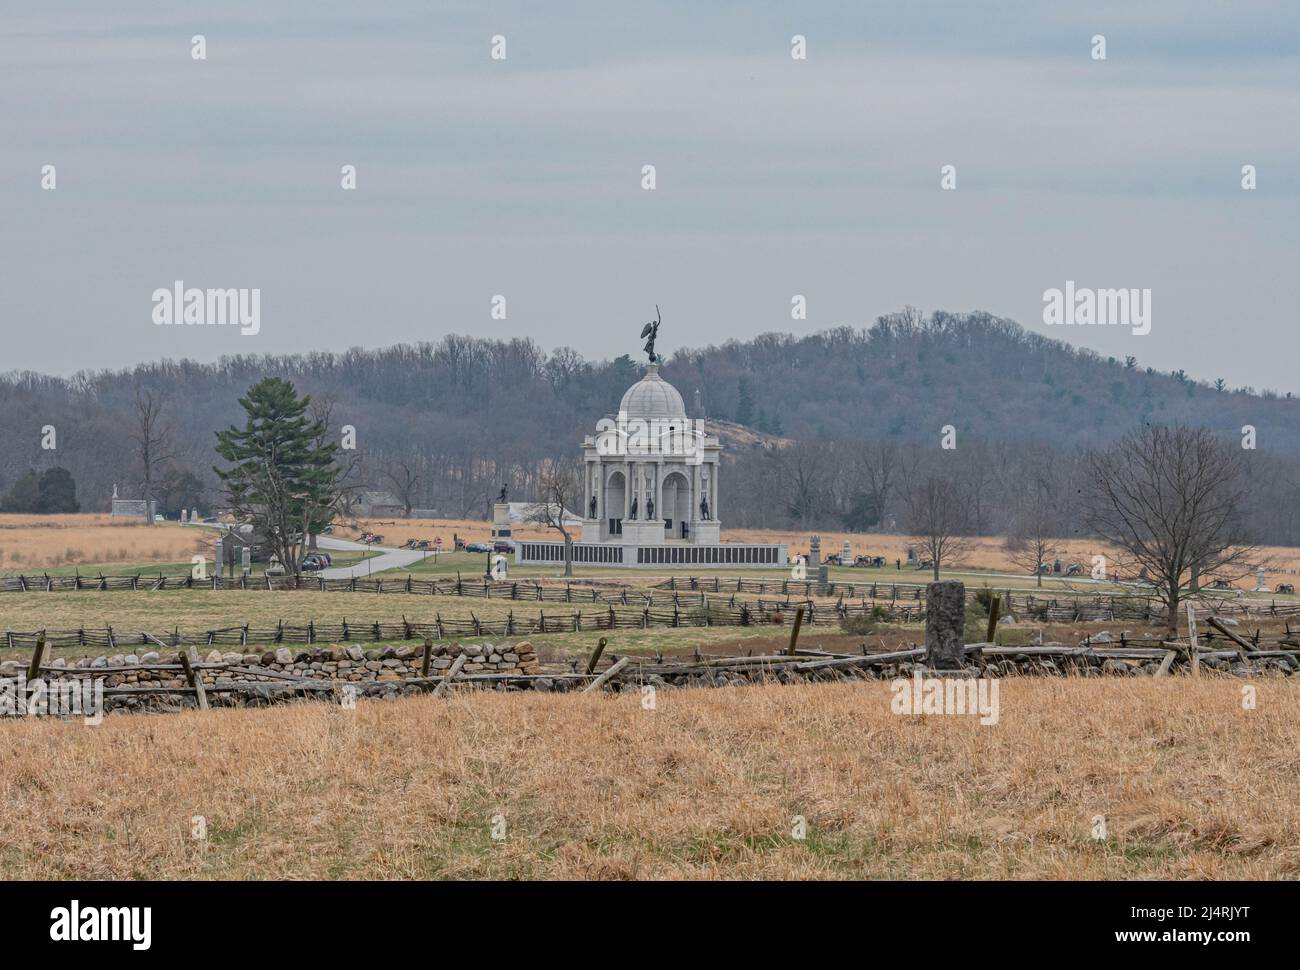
point(652, 397)
point(649, 489)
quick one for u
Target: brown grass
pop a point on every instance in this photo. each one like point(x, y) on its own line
point(984, 553)
point(34, 541)
point(706, 786)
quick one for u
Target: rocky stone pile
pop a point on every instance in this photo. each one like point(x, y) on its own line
point(350, 664)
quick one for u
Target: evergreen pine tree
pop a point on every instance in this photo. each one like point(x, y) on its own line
point(283, 478)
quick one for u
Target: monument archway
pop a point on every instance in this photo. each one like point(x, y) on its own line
point(615, 501)
point(676, 503)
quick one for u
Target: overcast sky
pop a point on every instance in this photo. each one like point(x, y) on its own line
point(522, 177)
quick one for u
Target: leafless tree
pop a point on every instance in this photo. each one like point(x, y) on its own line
point(348, 483)
point(804, 472)
point(1171, 499)
point(403, 474)
point(937, 518)
point(152, 439)
point(878, 467)
point(559, 487)
point(1037, 521)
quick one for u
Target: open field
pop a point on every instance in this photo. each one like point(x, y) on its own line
point(64, 544)
point(985, 554)
point(33, 542)
point(705, 786)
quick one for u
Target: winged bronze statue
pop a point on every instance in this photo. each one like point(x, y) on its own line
point(651, 330)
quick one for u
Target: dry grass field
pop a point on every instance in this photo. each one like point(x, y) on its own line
point(29, 542)
point(706, 786)
point(983, 553)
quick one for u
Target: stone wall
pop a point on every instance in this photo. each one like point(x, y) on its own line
point(334, 663)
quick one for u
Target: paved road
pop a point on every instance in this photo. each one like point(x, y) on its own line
point(387, 558)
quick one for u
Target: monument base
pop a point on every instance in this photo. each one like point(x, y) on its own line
point(706, 533)
point(726, 555)
point(501, 521)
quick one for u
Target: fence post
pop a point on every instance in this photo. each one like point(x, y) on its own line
point(794, 632)
point(595, 656)
point(195, 680)
point(38, 654)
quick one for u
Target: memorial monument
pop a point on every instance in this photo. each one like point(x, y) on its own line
point(650, 486)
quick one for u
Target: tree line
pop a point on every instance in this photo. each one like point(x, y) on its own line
point(442, 425)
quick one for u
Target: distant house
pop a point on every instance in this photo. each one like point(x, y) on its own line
point(377, 505)
point(233, 540)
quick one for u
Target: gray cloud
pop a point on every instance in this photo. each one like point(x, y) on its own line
point(775, 177)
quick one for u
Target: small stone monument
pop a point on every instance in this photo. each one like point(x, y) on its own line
point(911, 555)
point(1261, 584)
point(815, 551)
point(185, 516)
point(246, 560)
point(846, 554)
point(945, 625)
point(219, 559)
point(501, 529)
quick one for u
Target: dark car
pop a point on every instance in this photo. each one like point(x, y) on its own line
point(478, 547)
point(503, 545)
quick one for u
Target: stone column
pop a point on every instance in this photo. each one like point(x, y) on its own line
point(694, 498)
point(659, 492)
point(627, 489)
point(713, 486)
point(945, 625)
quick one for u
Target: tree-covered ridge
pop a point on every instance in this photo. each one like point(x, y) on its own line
point(450, 420)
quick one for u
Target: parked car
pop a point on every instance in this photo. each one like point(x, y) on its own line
point(503, 545)
point(314, 562)
point(477, 547)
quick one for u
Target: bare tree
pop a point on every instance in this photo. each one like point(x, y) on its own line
point(405, 479)
point(1171, 499)
point(559, 487)
point(152, 439)
point(937, 518)
point(877, 468)
point(804, 470)
point(349, 481)
point(1037, 521)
